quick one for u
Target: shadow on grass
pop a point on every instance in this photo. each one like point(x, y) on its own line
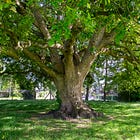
point(19, 121)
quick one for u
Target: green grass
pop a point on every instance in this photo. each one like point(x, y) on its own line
point(22, 120)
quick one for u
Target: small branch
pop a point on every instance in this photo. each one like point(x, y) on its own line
point(132, 56)
point(14, 72)
point(127, 54)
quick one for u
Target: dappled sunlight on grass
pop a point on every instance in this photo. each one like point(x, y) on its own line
point(20, 120)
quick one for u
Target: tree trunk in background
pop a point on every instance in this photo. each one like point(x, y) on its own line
point(87, 93)
point(26, 89)
point(106, 74)
point(28, 94)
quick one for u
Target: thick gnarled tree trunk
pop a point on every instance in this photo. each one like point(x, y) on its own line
point(72, 105)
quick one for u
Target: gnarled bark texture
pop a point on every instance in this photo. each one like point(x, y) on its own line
point(72, 105)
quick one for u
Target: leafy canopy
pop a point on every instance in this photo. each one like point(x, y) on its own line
point(30, 31)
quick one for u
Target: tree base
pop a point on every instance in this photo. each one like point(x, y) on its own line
point(82, 113)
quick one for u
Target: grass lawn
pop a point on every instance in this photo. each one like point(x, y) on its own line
point(24, 120)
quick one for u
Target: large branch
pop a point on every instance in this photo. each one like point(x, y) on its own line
point(68, 57)
point(88, 57)
point(56, 58)
point(98, 43)
point(69, 48)
point(97, 38)
point(10, 51)
point(69, 43)
point(40, 23)
point(35, 58)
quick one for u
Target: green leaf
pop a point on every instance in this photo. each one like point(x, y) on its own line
point(119, 36)
point(51, 42)
point(92, 49)
point(88, 6)
point(1, 7)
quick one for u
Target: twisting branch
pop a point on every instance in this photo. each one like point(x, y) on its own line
point(97, 38)
point(69, 48)
point(40, 23)
point(35, 58)
point(22, 44)
point(95, 42)
point(99, 41)
point(21, 7)
point(75, 30)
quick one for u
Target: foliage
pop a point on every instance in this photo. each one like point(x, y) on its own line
point(60, 16)
point(129, 87)
point(25, 120)
point(104, 72)
point(89, 80)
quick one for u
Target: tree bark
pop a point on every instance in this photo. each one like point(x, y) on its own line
point(72, 105)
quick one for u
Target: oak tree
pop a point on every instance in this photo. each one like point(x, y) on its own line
point(63, 38)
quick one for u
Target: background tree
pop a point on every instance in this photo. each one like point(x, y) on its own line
point(88, 84)
point(129, 87)
point(104, 73)
point(28, 81)
point(63, 39)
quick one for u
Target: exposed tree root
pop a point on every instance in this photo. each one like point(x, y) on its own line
point(86, 114)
